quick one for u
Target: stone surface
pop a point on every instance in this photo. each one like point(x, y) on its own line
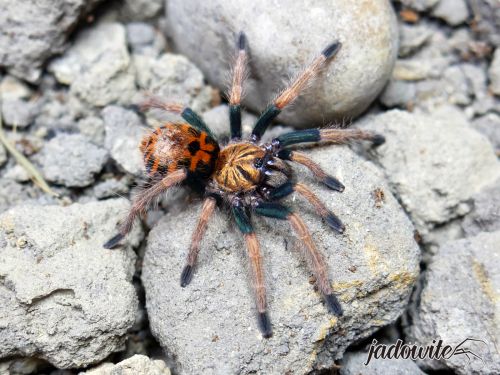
point(494, 73)
point(136, 365)
point(453, 12)
point(19, 113)
point(487, 16)
point(140, 10)
point(420, 5)
point(434, 164)
point(124, 131)
point(412, 38)
point(210, 327)
point(398, 94)
point(71, 160)
point(36, 31)
point(97, 66)
point(459, 301)
point(489, 125)
point(63, 297)
point(173, 78)
point(140, 34)
point(13, 88)
point(485, 215)
point(280, 45)
point(353, 363)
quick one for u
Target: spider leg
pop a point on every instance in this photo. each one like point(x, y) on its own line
point(206, 213)
point(286, 189)
point(142, 201)
point(253, 248)
point(239, 73)
point(192, 118)
point(293, 90)
point(278, 211)
point(318, 172)
point(335, 136)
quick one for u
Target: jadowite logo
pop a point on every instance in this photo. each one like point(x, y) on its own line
point(437, 350)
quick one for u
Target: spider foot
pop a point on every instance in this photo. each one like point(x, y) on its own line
point(265, 325)
point(186, 275)
point(378, 140)
point(113, 241)
point(333, 305)
point(331, 50)
point(333, 183)
point(335, 223)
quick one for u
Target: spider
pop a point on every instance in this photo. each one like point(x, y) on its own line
point(244, 175)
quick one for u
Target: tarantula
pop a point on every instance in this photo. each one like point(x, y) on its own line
point(244, 175)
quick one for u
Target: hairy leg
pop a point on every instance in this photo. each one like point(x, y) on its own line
point(318, 172)
point(192, 118)
point(239, 74)
point(206, 213)
point(330, 218)
point(334, 136)
point(293, 90)
point(253, 248)
point(142, 201)
point(318, 264)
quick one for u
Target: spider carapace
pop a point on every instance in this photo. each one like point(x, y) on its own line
point(245, 175)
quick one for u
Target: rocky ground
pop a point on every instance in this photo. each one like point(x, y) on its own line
point(420, 258)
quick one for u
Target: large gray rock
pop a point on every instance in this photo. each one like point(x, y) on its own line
point(97, 66)
point(136, 365)
point(283, 39)
point(71, 160)
point(460, 301)
point(124, 131)
point(210, 327)
point(64, 298)
point(434, 164)
point(35, 31)
point(353, 363)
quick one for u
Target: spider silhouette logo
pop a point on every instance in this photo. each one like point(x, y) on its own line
point(462, 348)
point(246, 175)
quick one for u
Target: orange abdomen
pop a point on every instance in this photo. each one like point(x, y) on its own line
point(174, 146)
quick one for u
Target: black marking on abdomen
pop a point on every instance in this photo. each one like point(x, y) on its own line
point(194, 147)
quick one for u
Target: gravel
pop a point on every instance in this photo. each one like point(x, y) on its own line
point(97, 66)
point(459, 301)
point(453, 12)
point(63, 297)
point(173, 78)
point(485, 215)
point(36, 31)
point(494, 73)
point(138, 364)
point(489, 125)
point(372, 269)
point(124, 131)
point(280, 45)
point(71, 160)
point(19, 113)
